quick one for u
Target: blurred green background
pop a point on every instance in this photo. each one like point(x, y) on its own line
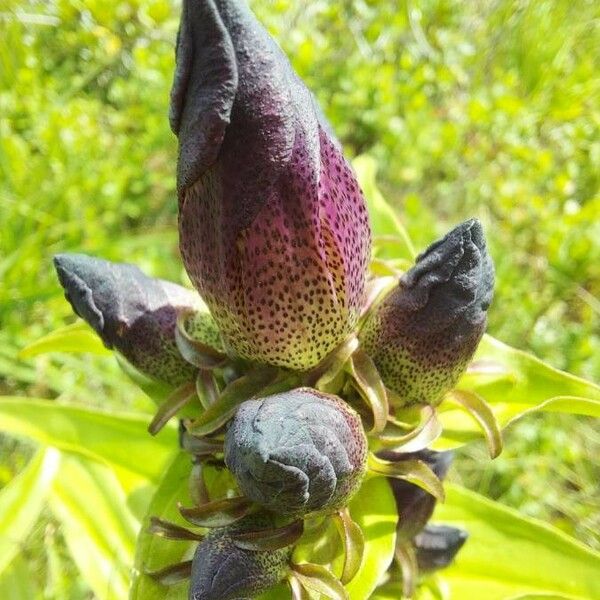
point(479, 108)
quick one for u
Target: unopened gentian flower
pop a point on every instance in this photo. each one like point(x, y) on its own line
point(425, 332)
point(221, 570)
point(274, 231)
point(297, 452)
point(131, 312)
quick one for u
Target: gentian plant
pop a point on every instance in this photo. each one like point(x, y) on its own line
point(287, 381)
point(301, 379)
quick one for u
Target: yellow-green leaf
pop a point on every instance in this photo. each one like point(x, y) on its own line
point(514, 383)
point(21, 502)
point(509, 556)
point(76, 338)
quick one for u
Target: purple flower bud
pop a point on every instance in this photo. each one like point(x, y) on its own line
point(274, 231)
point(223, 571)
point(297, 452)
point(426, 331)
point(131, 312)
point(415, 505)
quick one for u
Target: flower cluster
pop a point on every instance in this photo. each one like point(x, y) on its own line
point(280, 356)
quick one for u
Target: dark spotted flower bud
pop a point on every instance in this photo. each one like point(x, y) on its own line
point(221, 570)
point(297, 452)
point(131, 312)
point(425, 332)
point(415, 505)
point(273, 227)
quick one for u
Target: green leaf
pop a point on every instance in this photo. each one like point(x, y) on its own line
point(98, 528)
point(542, 596)
point(353, 542)
point(511, 556)
point(480, 410)
point(368, 383)
point(120, 439)
point(21, 502)
point(233, 395)
point(318, 579)
point(16, 582)
point(402, 437)
point(373, 509)
point(414, 471)
point(195, 349)
point(76, 338)
point(177, 400)
point(514, 384)
point(383, 218)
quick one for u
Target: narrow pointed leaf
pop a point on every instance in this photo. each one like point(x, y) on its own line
point(21, 502)
point(173, 574)
point(197, 486)
point(480, 410)
point(397, 437)
point(232, 396)
point(218, 513)
point(318, 579)
point(328, 368)
point(200, 446)
point(270, 539)
point(206, 388)
point(171, 531)
point(120, 439)
point(514, 384)
point(370, 386)
point(354, 545)
point(299, 592)
point(97, 526)
point(180, 397)
point(413, 471)
point(76, 338)
point(405, 556)
point(197, 353)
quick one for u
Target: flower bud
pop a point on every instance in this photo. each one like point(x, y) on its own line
point(274, 230)
point(297, 452)
point(425, 332)
point(223, 571)
point(131, 312)
point(415, 505)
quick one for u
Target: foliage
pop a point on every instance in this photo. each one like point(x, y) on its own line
point(467, 108)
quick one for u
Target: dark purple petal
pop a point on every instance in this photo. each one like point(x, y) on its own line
point(426, 331)
point(131, 312)
point(437, 546)
point(273, 228)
